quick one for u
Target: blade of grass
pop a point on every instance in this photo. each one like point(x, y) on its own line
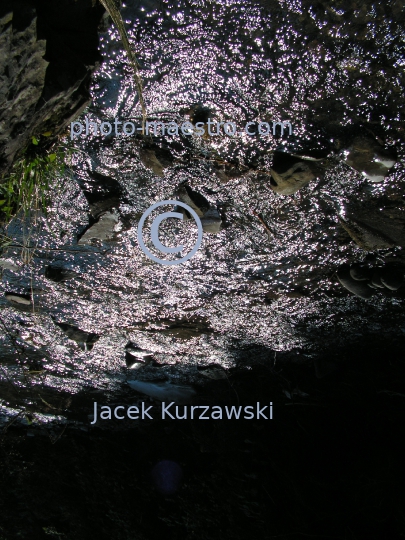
point(115, 15)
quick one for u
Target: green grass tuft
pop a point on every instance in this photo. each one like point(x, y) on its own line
point(27, 187)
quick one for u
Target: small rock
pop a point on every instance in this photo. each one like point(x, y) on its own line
point(359, 288)
point(104, 229)
point(392, 277)
point(136, 357)
point(150, 161)
point(193, 199)
point(376, 279)
point(360, 272)
point(85, 340)
point(211, 221)
point(19, 300)
point(289, 173)
point(9, 265)
point(367, 156)
point(210, 217)
point(102, 192)
point(136, 361)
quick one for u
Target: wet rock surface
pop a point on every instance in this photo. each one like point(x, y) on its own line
point(258, 314)
point(263, 283)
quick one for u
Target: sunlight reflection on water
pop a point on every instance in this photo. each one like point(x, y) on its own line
point(244, 63)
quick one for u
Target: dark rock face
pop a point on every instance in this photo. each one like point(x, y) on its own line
point(193, 199)
point(23, 70)
point(379, 224)
point(48, 51)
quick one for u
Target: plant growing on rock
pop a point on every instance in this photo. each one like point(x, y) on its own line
point(28, 185)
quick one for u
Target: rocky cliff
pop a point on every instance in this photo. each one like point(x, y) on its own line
point(48, 51)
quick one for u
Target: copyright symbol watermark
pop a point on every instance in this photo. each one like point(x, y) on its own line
point(154, 232)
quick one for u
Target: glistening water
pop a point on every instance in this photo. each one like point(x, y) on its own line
point(258, 288)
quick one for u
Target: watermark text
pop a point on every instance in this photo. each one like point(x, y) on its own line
point(120, 128)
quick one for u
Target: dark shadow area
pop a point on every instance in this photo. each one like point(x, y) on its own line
point(329, 464)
